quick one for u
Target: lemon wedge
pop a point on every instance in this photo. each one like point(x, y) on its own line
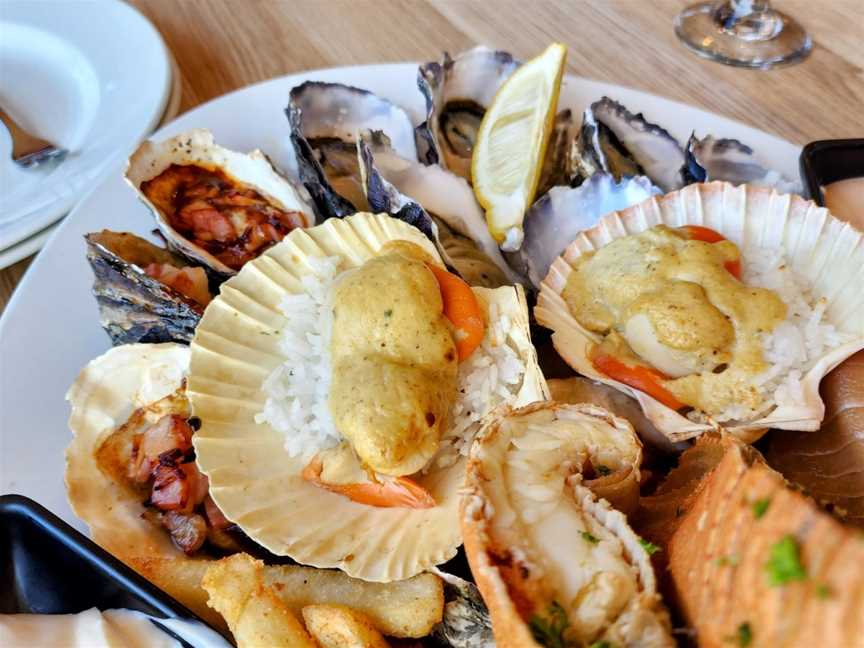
point(511, 144)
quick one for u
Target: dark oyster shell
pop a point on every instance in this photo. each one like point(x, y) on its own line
point(466, 622)
point(618, 142)
point(326, 121)
point(134, 307)
point(711, 158)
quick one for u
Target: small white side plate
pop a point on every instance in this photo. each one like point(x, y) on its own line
point(92, 77)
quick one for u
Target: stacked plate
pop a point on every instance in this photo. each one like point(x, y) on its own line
point(93, 78)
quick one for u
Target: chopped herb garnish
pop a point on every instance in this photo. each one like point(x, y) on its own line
point(601, 644)
point(589, 537)
point(760, 506)
point(784, 564)
point(604, 470)
point(723, 561)
point(745, 635)
point(549, 629)
point(823, 591)
point(388, 312)
point(649, 547)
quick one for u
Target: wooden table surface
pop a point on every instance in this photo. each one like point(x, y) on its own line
point(221, 45)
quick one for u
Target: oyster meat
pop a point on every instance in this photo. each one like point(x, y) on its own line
point(558, 216)
point(556, 564)
point(327, 120)
point(215, 206)
point(711, 158)
point(145, 293)
point(614, 140)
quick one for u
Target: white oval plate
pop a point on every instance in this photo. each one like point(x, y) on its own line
point(50, 329)
point(92, 77)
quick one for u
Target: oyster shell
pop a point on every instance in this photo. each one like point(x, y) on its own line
point(197, 148)
point(466, 622)
point(133, 306)
point(457, 92)
point(749, 216)
point(327, 120)
point(558, 216)
point(732, 161)
point(394, 183)
point(102, 398)
point(614, 140)
point(553, 560)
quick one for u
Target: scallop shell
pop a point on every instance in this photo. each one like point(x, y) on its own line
point(198, 147)
point(253, 479)
point(496, 520)
point(748, 216)
point(107, 391)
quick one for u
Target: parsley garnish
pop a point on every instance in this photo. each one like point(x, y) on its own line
point(601, 644)
point(589, 537)
point(604, 470)
point(649, 547)
point(388, 312)
point(784, 564)
point(745, 635)
point(823, 591)
point(548, 630)
point(760, 506)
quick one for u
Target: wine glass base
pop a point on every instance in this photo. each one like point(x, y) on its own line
point(698, 29)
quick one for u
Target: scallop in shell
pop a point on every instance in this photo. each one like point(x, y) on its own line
point(825, 252)
point(327, 120)
point(729, 160)
point(558, 216)
point(134, 305)
point(254, 479)
point(213, 205)
point(103, 397)
point(556, 564)
point(458, 92)
point(614, 140)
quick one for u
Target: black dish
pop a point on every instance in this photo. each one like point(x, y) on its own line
point(47, 567)
point(828, 161)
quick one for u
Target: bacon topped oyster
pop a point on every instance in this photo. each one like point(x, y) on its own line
point(340, 379)
point(556, 564)
point(215, 206)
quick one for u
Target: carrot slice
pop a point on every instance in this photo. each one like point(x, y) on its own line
point(390, 493)
point(639, 377)
point(708, 235)
point(462, 309)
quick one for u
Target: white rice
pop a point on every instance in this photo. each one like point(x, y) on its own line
point(297, 390)
point(795, 344)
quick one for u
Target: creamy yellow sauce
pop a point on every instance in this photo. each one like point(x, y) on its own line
point(845, 199)
point(668, 301)
point(394, 361)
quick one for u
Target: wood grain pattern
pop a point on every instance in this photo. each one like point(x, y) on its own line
point(222, 45)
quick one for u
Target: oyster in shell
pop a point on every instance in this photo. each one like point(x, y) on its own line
point(556, 564)
point(134, 304)
point(327, 120)
point(711, 158)
point(215, 206)
point(462, 235)
point(614, 140)
point(458, 91)
point(558, 216)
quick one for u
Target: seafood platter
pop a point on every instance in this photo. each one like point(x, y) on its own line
point(513, 374)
